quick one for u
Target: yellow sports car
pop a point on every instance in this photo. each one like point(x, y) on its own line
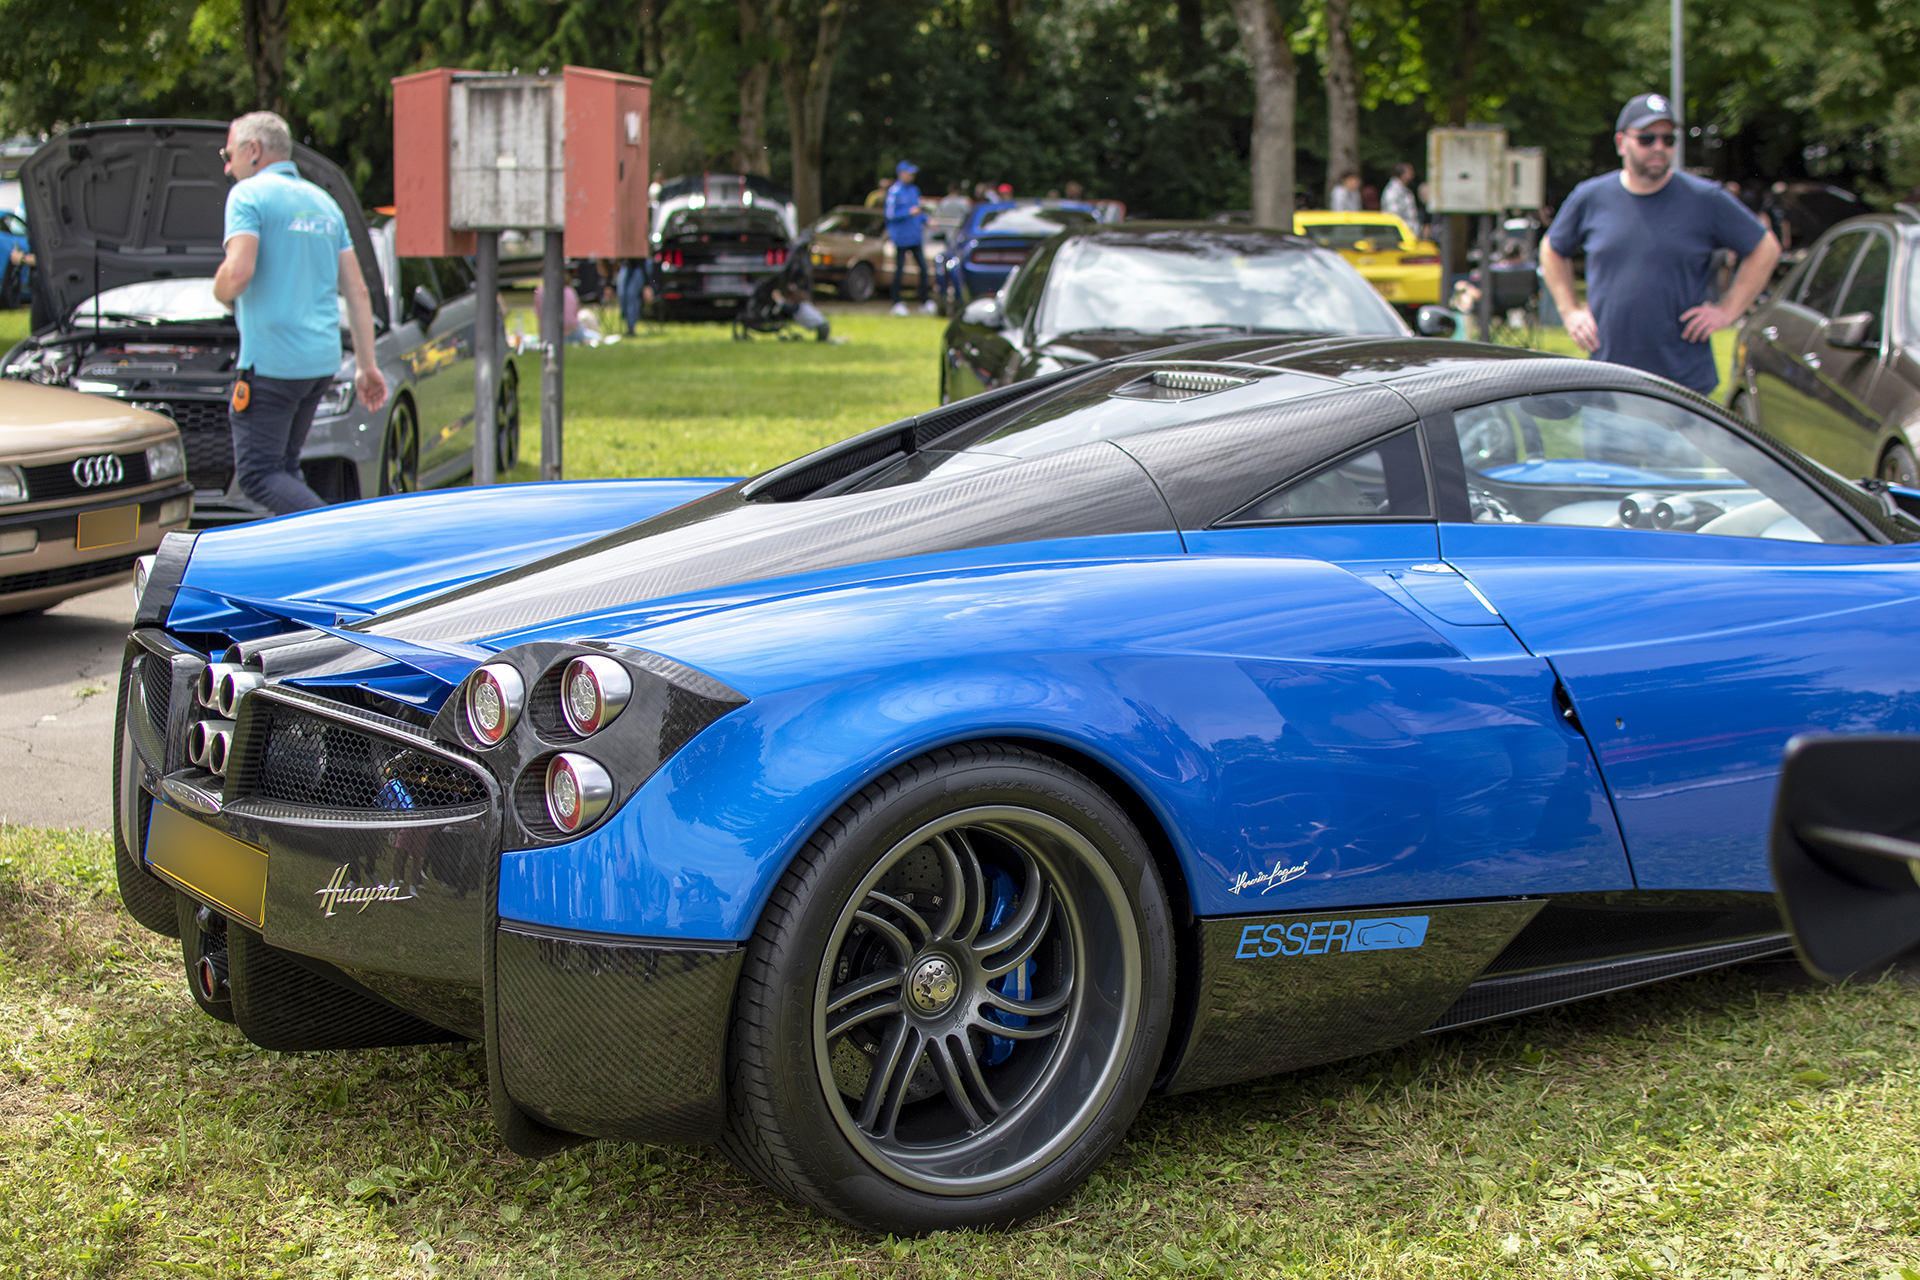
point(1406, 271)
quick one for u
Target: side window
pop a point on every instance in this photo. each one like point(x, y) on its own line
point(1614, 460)
point(1822, 288)
point(415, 272)
point(454, 275)
point(1029, 278)
point(1868, 290)
point(1385, 482)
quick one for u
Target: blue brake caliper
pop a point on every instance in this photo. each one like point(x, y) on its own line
point(1001, 899)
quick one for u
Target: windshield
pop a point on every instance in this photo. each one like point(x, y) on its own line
point(182, 301)
point(850, 223)
point(1348, 235)
point(1028, 221)
point(1195, 284)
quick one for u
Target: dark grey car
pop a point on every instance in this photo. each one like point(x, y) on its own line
point(127, 222)
point(1830, 364)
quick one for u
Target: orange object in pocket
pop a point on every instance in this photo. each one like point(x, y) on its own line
point(242, 394)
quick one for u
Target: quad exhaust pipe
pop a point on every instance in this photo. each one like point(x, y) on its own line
point(223, 684)
point(208, 744)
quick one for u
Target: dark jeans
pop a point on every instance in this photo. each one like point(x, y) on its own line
point(900, 253)
point(267, 437)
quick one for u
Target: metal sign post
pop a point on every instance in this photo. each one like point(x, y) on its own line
point(553, 347)
point(486, 357)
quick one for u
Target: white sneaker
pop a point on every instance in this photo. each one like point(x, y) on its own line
point(899, 308)
point(929, 307)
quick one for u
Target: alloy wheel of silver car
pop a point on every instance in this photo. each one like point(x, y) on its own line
point(400, 454)
point(1897, 466)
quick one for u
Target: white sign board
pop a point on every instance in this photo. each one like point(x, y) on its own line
point(1526, 178)
point(506, 153)
point(1465, 170)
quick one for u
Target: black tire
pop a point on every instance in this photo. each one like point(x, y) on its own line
point(993, 1117)
point(400, 450)
point(858, 285)
point(1897, 466)
point(147, 898)
point(506, 420)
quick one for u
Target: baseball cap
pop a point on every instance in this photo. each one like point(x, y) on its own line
point(1643, 111)
point(906, 166)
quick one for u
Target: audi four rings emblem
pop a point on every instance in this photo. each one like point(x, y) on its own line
point(91, 473)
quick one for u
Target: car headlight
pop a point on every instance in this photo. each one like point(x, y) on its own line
point(338, 400)
point(166, 460)
point(142, 569)
point(13, 485)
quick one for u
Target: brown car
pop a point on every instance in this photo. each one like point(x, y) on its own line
point(87, 485)
point(851, 252)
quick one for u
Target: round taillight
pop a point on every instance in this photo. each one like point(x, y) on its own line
point(495, 694)
point(578, 791)
point(593, 690)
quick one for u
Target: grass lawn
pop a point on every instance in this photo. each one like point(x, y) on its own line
point(1743, 1124)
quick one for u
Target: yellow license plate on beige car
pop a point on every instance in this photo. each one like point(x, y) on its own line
point(107, 528)
point(212, 864)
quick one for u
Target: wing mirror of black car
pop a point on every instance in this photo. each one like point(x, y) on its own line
point(1846, 851)
point(424, 306)
point(984, 312)
point(1850, 332)
point(1435, 322)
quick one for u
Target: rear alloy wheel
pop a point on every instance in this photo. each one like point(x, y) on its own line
point(957, 998)
point(1744, 409)
point(858, 286)
point(1897, 467)
point(400, 454)
point(506, 420)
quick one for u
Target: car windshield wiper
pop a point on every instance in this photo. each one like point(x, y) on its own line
point(1113, 328)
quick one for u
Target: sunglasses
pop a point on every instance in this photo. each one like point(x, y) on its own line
point(227, 153)
point(1654, 139)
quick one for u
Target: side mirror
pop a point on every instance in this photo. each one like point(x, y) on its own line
point(1845, 863)
point(424, 306)
point(984, 312)
point(1435, 322)
point(1850, 332)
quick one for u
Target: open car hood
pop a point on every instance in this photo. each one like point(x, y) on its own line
point(129, 201)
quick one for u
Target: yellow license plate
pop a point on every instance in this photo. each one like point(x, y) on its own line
point(211, 863)
point(107, 528)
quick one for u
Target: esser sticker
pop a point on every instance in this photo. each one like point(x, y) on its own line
point(1321, 937)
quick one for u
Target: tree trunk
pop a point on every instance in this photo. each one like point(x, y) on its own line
point(806, 80)
point(263, 28)
point(649, 38)
point(1270, 50)
point(752, 154)
point(1467, 34)
point(1343, 99)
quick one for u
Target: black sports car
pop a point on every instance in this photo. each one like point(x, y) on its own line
point(715, 237)
point(1093, 292)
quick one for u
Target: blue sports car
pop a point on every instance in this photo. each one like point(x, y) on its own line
point(995, 238)
point(898, 819)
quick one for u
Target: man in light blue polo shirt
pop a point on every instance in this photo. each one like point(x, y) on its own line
point(289, 261)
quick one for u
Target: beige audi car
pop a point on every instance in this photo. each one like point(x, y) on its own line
point(87, 486)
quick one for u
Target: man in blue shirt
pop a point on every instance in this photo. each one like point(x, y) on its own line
point(1649, 234)
point(289, 261)
point(904, 219)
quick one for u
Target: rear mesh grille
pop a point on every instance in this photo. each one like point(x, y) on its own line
point(156, 678)
point(318, 763)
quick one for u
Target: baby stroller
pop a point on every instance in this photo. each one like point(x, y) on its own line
point(772, 308)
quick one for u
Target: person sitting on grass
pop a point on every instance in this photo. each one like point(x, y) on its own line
point(796, 305)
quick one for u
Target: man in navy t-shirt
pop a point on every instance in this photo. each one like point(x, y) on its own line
point(1649, 233)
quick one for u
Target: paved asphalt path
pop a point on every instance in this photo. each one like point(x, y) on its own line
point(59, 676)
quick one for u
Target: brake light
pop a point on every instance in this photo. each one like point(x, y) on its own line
point(673, 258)
point(1419, 260)
point(776, 257)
